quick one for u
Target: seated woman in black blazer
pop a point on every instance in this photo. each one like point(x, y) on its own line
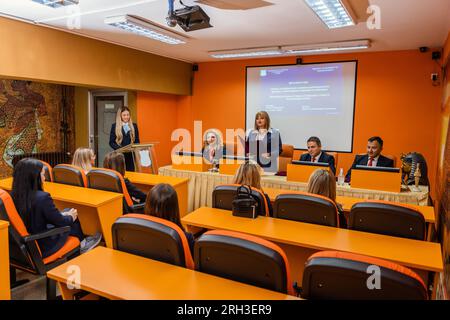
point(116, 161)
point(162, 202)
point(38, 212)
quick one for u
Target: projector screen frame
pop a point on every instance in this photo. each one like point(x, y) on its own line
point(302, 64)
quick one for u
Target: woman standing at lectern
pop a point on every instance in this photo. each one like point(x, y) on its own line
point(123, 133)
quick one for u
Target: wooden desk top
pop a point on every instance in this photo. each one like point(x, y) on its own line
point(3, 224)
point(119, 275)
point(411, 253)
point(78, 195)
point(154, 179)
point(348, 202)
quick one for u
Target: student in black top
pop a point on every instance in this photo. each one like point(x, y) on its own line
point(38, 211)
point(123, 133)
point(373, 158)
point(116, 161)
point(263, 143)
point(162, 202)
point(249, 174)
point(315, 153)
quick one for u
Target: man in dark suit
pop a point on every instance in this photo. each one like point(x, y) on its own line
point(315, 154)
point(373, 158)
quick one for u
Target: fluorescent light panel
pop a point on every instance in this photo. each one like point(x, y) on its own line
point(327, 47)
point(242, 53)
point(57, 3)
point(144, 28)
point(332, 12)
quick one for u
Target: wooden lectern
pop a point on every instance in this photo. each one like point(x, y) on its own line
point(144, 157)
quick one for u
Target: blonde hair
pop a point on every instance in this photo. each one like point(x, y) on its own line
point(218, 142)
point(323, 182)
point(119, 123)
point(264, 115)
point(82, 158)
point(249, 173)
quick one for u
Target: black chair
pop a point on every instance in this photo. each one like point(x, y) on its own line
point(223, 196)
point(243, 258)
point(69, 174)
point(387, 218)
point(48, 171)
point(153, 238)
point(306, 207)
point(111, 180)
point(24, 251)
point(332, 275)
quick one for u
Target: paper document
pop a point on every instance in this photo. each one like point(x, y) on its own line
point(145, 158)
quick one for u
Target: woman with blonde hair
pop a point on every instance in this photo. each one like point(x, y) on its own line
point(264, 143)
point(123, 133)
point(84, 158)
point(249, 174)
point(212, 145)
point(323, 182)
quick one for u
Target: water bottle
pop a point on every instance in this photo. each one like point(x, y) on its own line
point(341, 178)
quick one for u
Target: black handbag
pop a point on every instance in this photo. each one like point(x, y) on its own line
point(244, 204)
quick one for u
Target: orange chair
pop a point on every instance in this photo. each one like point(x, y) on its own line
point(332, 275)
point(24, 251)
point(306, 207)
point(111, 180)
point(393, 219)
point(69, 174)
point(48, 171)
point(243, 258)
point(223, 196)
point(152, 238)
point(285, 157)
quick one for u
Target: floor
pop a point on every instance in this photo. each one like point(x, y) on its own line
point(35, 289)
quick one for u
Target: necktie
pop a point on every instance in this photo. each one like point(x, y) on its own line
point(370, 162)
point(313, 159)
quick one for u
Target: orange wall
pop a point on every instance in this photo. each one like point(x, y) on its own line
point(395, 99)
point(157, 118)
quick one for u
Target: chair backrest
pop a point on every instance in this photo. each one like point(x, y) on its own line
point(69, 174)
point(332, 275)
point(306, 207)
point(285, 157)
point(335, 156)
point(152, 238)
point(109, 180)
point(243, 258)
point(18, 253)
point(223, 196)
point(398, 220)
point(48, 171)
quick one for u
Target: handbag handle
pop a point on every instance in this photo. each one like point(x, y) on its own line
point(247, 189)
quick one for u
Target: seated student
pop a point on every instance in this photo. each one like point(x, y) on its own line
point(162, 202)
point(38, 212)
point(323, 182)
point(315, 153)
point(116, 161)
point(249, 174)
point(84, 158)
point(373, 158)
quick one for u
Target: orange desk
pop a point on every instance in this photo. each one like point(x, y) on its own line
point(97, 209)
point(300, 240)
point(146, 182)
point(118, 275)
point(348, 202)
point(5, 290)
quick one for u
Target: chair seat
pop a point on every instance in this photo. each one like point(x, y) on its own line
point(71, 244)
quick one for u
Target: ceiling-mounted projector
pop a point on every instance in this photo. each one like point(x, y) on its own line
point(189, 18)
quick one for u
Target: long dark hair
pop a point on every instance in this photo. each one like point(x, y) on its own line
point(115, 161)
point(26, 181)
point(162, 202)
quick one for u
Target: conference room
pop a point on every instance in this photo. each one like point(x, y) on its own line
point(269, 149)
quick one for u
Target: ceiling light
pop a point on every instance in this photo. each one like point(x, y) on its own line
point(327, 47)
point(241, 53)
point(57, 3)
point(146, 29)
point(332, 12)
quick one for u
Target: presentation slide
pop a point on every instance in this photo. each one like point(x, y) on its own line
point(305, 100)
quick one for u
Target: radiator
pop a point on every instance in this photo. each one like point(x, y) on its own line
point(52, 158)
